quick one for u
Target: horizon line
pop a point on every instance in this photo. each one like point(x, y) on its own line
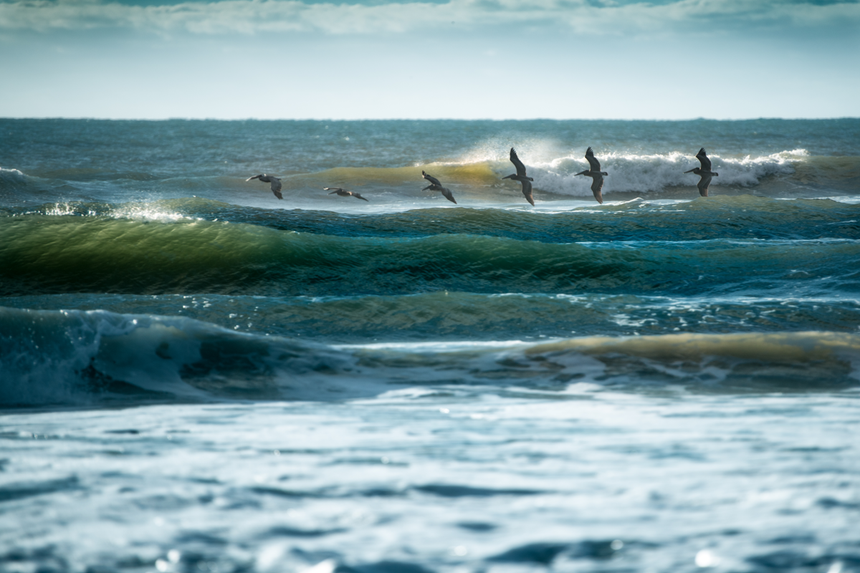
point(85, 118)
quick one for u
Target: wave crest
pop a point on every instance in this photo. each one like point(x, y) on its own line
point(83, 357)
point(654, 173)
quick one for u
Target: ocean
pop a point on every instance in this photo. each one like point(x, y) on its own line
point(196, 376)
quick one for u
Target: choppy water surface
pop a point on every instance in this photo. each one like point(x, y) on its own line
point(196, 376)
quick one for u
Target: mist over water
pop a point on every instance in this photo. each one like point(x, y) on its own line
point(237, 383)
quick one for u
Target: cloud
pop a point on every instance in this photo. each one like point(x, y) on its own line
point(291, 16)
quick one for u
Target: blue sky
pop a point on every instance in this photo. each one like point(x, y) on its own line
point(469, 59)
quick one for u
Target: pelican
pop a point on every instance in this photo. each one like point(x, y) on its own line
point(704, 173)
point(596, 175)
point(344, 193)
point(436, 186)
point(520, 176)
point(276, 183)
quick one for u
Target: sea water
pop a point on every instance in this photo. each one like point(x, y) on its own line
point(196, 376)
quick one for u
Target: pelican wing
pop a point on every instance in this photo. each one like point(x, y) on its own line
point(593, 163)
point(597, 185)
point(448, 195)
point(521, 169)
point(703, 159)
point(276, 187)
point(357, 196)
point(527, 191)
point(431, 179)
point(703, 184)
point(597, 188)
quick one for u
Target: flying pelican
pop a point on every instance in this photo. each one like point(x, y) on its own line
point(596, 175)
point(704, 173)
point(276, 183)
point(436, 186)
point(520, 176)
point(344, 193)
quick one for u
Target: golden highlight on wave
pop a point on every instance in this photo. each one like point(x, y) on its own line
point(791, 346)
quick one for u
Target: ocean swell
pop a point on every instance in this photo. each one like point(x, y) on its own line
point(97, 254)
point(78, 358)
point(477, 177)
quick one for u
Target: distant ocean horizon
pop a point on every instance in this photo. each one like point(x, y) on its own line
point(425, 119)
point(198, 376)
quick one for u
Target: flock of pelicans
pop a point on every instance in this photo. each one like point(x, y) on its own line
point(704, 172)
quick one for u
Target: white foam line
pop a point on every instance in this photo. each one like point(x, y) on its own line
point(441, 346)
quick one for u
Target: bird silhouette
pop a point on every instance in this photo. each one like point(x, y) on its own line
point(344, 193)
point(276, 183)
point(436, 186)
point(596, 175)
point(521, 176)
point(705, 174)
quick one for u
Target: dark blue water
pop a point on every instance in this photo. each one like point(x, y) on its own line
point(196, 375)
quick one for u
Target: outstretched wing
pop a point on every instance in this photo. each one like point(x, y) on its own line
point(521, 169)
point(703, 159)
point(333, 190)
point(593, 163)
point(254, 177)
point(597, 188)
point(527, 191)
point(276, 187)
point(448, 195)
point(703, 184)
point(357, 196)
point(431, 179)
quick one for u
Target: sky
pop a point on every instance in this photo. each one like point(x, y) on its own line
point(455, 59)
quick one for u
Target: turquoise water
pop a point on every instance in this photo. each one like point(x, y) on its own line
point(196, 375)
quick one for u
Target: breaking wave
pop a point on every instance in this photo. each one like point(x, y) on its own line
point(72, 358)
point(477, 174)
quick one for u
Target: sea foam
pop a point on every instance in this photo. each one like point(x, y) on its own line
point(654, 173)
